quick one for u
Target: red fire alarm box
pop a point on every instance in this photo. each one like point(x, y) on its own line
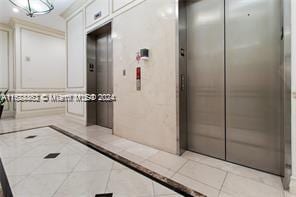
point(138, 78)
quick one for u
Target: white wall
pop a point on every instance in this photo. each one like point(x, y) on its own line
point(76, 66)
point(40, 64)
point(4, 59)
point(45, 68)
point(6, 66)
point(147, 116)
point(4, 63)
point(293, 68)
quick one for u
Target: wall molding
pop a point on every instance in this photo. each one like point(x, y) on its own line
point(82, 86)
point(74, 7)
point(5, 27)
point(113, 14)
point(8, 110)
point(75, 114)
point(36, 27)
point(22, 110)
point(21, 55)
point(40, 109)
point(40, 113)
point(8, 55)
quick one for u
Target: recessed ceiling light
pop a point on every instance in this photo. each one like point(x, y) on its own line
point(15, 10)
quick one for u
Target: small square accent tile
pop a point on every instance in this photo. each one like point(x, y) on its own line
point(31, 137)
point(52, 155)
point(104, 195)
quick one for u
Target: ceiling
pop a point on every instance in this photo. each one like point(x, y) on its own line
point(52, 19)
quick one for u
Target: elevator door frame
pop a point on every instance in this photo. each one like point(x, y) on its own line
point(182, 127)
point(92, 64)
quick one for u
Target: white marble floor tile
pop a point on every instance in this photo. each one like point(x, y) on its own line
point(92, 162)
point(80, 184)
point(142, 151)
point(265, 178)
point(14, 150)
point(167, 160)
point(224, 194)
point(111, 148)
point(157, 168)
point(197, 186)
point(74, 149)
point(223, 165)
point(13, 180)
point(288, 194)
point(161, 190)
point(7, 160)
point(50, 140)
point(127, 182)
point(268, 179)
point(124, 144)
point(108, 138)
point(131, 157)
point(118, 166)
point(61, 164)
point(23, 166)
point(238, 186)
point(41, 132)
point(43, 150)
point(39, 185)
point(203, 173)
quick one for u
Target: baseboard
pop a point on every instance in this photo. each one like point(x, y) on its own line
point(27, 114)
point(292, 188)
point(8, 114)
point(77, 119)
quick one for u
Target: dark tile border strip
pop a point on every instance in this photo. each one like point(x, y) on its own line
point(17, 131)
point(4, 182)
point(169, 183)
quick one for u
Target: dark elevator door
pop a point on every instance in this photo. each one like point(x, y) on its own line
point(104, 78)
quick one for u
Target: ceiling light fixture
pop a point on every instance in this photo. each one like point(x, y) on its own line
point(34, 7)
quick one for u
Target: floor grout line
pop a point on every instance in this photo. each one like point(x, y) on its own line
point(199, 181)
point(109, 178)
point(223, 183)
point(180, 168)
point(237, 174)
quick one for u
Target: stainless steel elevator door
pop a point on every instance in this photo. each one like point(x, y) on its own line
point(253, 83)
point(205, 77)
point(104, 78)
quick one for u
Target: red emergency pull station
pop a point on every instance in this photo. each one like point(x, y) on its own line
point(138, 78)
point(139, 73)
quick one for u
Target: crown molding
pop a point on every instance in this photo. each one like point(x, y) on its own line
point(78, 4)
point(6, 27)
point(16, 21)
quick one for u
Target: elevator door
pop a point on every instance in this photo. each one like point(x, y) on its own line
point(104, 78)
point(205, 77)
point(234, 85)
point(253, 83)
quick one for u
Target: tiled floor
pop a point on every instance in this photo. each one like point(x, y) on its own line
point(212, 177)
point(72, 170)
